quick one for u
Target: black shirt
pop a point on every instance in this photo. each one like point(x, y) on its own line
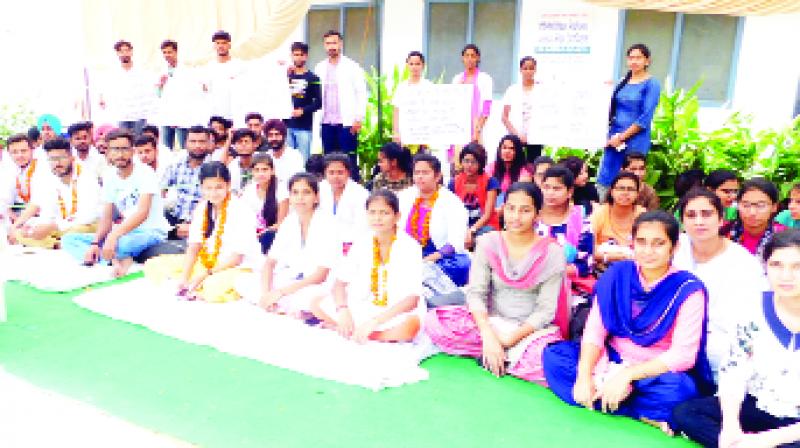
point(306, 95)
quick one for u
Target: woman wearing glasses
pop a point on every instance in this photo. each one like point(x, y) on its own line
point(612, 222)
point(758, 203)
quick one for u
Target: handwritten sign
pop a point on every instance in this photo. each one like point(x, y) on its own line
point(437, 114)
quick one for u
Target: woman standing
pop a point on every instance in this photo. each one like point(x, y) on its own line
point(376, 295)
point(406, 90)
point(758, 403)
point(516, 300)
point(482, 88)
point(518, 107)
point(644, 333)
point(630, 115)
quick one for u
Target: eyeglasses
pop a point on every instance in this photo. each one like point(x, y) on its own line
point(626, 189)
point(757, 206)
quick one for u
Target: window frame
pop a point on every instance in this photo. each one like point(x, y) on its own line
point(675, 54)
point(426, 23)
point(341, 7)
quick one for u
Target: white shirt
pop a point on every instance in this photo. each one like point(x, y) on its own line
point(733, 278)
point(485, 87)
point(287, 165)
point(182, 101)
point(54, 193)
point(95, 163)
point(130, 94)
point(11, 174)
point(124, 194)
point(349, 214)
point(405, 90)
point(449, 219)
point(255, 203)
point(295, 257)
point(521, 107)
point(238, 235)
point(237, 180)
point(351, 86)
point(221, 78)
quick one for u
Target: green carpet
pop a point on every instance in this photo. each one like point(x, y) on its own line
point(213, 399)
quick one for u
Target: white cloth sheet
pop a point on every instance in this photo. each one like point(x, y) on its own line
point(242, 329)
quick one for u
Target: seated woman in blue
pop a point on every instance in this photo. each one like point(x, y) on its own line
point(645, 332)
point(758, 404)
point(436, 218)
point(629, 116)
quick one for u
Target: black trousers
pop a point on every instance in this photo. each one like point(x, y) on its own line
point(701, 420)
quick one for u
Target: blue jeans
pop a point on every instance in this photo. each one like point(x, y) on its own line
point(128, 246)
point(134, 125)
point(338, 138)
point(300, 139)
point(169, 133)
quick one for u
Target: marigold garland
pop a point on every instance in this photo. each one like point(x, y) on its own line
point(210, 260)
point(74, 197)
point(426, 226)
point(379, 297)
point(26, 197)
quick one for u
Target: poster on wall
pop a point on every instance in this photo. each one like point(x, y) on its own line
point(571, 107)
point(436, 115)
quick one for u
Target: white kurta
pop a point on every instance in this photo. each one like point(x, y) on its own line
point(403, 279)
point(238, 236)
point(449, 219)
point(182, 101)
point(349, 214)
point(87, 203)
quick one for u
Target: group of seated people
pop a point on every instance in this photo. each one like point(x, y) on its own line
point(497, 265)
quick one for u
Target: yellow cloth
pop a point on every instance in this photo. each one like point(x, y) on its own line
point(50, 241)
point(216, 288)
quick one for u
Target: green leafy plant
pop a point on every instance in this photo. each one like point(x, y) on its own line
point(14, 118)
point(376, 130)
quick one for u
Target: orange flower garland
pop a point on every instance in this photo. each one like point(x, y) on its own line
point(210, 260)
point(74, 197)
point(426, 226)
point(378, 298)
point(26, 197)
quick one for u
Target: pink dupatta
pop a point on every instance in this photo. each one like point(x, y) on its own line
point(497, 256)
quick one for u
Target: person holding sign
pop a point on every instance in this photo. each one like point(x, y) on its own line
point(629, 116)
point(518, 107)
point(415, 62)
point(482, 87)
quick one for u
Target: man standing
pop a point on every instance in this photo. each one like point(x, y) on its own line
point(344, 99)
point(181, 94)
point(68, 202)
point(306, 99)
point(132, 216)
point(87, 158)
point(182, 181)
point(130, 94)
point(255, 122)
point(221, 76)
point(287, 161)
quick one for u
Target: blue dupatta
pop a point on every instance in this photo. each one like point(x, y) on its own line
point(619, 288)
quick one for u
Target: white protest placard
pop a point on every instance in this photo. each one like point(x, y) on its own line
point(438, 114)
point(571, 107)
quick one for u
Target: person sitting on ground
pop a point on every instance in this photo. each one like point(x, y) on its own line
point(758, 403)
point(395, 168)
point(791, 216)
point(241, 166)
point(343, 199)
point(221, 137)
point(316, 165)
point(685, 181)
point(612, 222)
point(636, 163)
point(288, 161)
point(584, 193)
point(566, 222)
point(478, 191)
point(221, 237)
point(267, 201)
point(509, 164)
point(731, 274)
point(302, 254)
point(514, 295)
point(132, 213)
point(539, 166)
point(758, 203)
point(164, 155)
point(376, 295)
point(725, 184)
point(149, 154)
point(86, 157)
point(437, 219)
point(644, 335)
point(182, 183)
point(19, 178)
point(67, 202)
